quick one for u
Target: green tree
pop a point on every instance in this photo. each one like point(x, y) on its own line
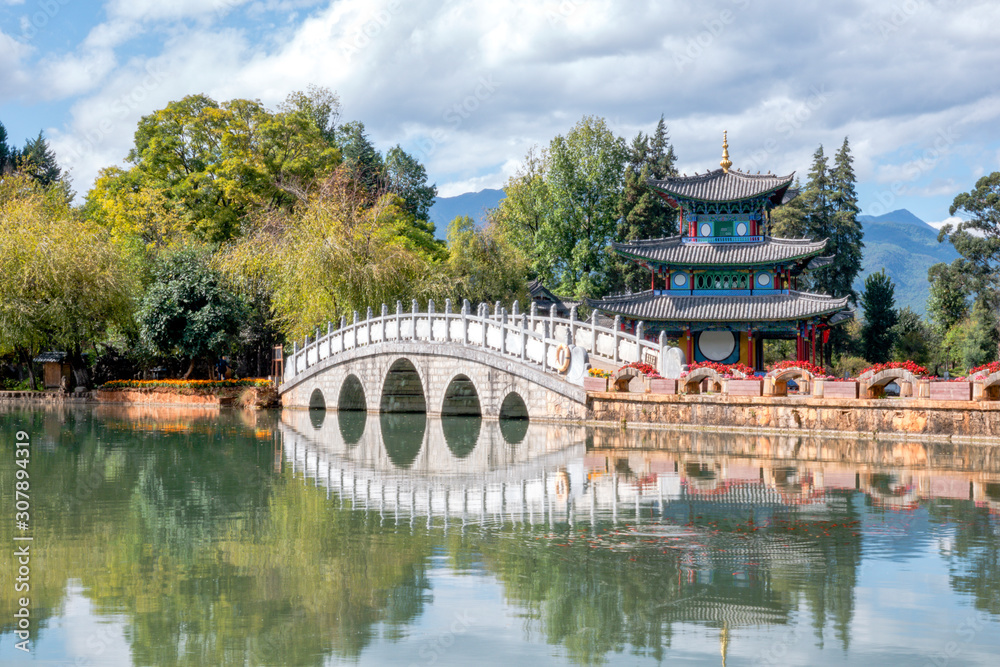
point(915, 338)
point(585, 181)
point(484, 268)
point(407, 178)
point(39, 162)
point(65, 281)
point(217, 163)
point(338, 253)
point(187, 310)
point(879, 304)
point(790, 220)
point(526, 210)
point(977, 240)
point(321, 105)
point(845, 232)
point(981, 341)
point(361, 156)
point(949, 299)
point(642, 213)
point(8, 154)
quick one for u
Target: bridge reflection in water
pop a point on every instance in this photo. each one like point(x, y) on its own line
point(513, 470)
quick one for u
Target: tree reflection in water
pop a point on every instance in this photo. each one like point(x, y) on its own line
point(215, 546)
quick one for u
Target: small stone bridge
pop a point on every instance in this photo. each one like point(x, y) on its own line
point(493, 364)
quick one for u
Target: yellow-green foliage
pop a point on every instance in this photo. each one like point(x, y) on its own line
point(65, 279)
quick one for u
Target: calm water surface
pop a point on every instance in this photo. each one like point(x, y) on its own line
point(175, 537)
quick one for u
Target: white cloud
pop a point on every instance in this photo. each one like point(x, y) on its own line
point(953, 220)
point(782, 78)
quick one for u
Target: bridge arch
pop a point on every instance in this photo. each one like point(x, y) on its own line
point(461, 398)
point(991, 387)
point(875, 383)
point(352, 395)
point(780, 378)
point(513, 407)
point(403, 388)
point(692, 381)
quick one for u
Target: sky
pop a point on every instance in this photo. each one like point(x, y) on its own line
point(469, 87)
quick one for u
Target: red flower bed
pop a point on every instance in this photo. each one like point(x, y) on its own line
point(722, 369)
point(986, 369)
point(645, 369)
point(905, 365)
point(804, 365)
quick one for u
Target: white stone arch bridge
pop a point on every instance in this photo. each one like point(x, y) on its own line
point(493, 364)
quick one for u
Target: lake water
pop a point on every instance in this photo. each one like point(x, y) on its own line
point(185, 537)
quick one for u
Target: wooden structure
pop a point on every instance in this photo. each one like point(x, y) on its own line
point(723, 285)
point(54, 369)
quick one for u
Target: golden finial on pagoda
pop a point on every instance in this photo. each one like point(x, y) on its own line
point(726, 163)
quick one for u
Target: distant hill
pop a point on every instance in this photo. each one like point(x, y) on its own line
point(906, 247)
point(472, 204)
point(901, 216)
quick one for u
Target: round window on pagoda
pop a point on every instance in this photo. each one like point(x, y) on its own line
point(706, 229)
point(680, 279)
point(741, 229)
point(764, 279)
point(717, 345)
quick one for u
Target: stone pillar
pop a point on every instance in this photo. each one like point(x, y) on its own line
point(617, 327)
point(662, 358)
point(593, 332)
point(385, 324)
point(447, 320)
point(524, 337)
point(430, 319)
point(534, 314)
point(639, 339)
point(413, 317)
point(399, 320)
point(465, 321)
point(503, 331)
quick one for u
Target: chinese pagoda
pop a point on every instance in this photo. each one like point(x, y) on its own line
point(723, 285)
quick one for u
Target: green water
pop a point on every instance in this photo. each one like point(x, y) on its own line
point(175, 537)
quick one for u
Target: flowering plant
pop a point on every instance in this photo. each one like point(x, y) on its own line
point(905, 365)
point(986, 369)
point(722, 369)
point(185, 384)
point(812, 368)
point(598, 373)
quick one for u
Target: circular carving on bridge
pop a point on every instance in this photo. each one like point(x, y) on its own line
point(716, 345)
point(562, 358)
point(402, 437)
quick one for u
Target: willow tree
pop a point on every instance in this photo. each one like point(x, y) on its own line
point(65, 282)
point(339, 253)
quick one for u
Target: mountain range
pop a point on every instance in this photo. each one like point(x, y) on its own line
point(900, 242)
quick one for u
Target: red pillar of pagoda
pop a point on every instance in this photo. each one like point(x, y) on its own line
point(690, 336)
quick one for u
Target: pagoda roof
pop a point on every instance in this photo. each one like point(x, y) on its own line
point(724, 186)
point(659, 306)
point(675, 252)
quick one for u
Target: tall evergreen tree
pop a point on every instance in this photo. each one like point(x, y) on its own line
point(642, 213)
point(815, 202)
point(39, 161)
point(878, 333)
point(361, 156)
point(790, 221)
point(407, 178)
point(845, 232)
point(8, 154)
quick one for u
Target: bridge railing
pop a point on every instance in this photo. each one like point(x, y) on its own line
point(524, 336)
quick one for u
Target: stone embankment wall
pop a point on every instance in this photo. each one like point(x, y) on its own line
point(46, 397)
point(253, 397)
point(966, 419)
